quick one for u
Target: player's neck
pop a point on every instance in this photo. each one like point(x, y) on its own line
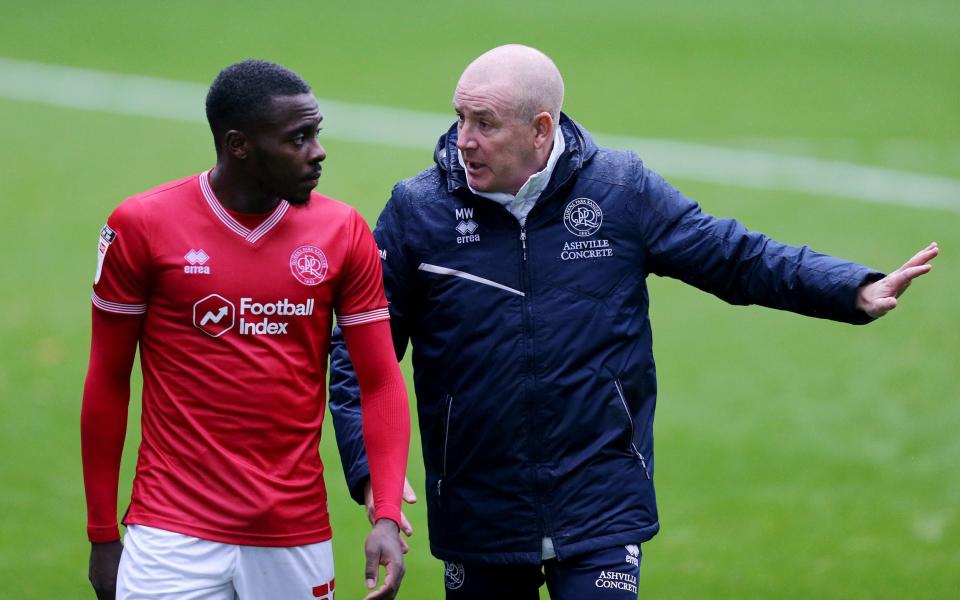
point(238, 193)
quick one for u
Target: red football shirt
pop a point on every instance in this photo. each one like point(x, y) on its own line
point(233, 351)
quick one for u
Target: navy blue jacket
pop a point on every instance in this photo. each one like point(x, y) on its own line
point(532, 352)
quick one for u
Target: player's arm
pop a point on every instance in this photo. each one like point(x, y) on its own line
point(120, 303)
point(344, 397)
point(103, 426)
point(363, 316)
point(386, 435)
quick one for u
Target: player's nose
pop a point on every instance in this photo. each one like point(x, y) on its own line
point(317, 153)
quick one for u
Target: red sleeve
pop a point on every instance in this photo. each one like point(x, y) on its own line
point(103, 418)
point(123, 262)
point(360, 298)
point(385, 412)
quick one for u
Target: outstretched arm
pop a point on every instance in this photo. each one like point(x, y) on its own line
point(724, 258)
point(103, 426)
point(880, 297)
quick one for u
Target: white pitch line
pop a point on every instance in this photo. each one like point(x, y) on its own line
point(137, 95)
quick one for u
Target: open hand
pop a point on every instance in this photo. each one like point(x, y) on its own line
point(880, 297)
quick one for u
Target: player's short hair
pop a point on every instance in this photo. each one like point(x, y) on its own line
point(241, 93)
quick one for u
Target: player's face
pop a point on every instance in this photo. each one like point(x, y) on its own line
point(286, 151)
point(497, 145)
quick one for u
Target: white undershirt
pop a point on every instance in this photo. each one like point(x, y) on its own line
point(528, 194)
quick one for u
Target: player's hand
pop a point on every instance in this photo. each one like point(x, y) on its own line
point(104, 563)
point(383, 548)
point(408, 496)
point(880, 297)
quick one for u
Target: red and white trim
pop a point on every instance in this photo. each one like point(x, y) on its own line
point(118, 307)
point(380, 314)
point(221, 213)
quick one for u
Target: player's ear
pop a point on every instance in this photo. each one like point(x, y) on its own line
point(235, 142)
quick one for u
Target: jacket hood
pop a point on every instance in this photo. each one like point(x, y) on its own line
point(580, 148)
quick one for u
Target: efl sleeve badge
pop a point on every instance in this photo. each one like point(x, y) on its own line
point(107, 236)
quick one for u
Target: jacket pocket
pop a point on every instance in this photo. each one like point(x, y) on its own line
point(626, 411)
point(448, 408)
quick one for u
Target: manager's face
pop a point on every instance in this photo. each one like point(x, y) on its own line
point(496, 143)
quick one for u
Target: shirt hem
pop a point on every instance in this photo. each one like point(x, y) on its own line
point(225, 537)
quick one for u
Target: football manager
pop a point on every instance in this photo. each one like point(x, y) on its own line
point(516, 266)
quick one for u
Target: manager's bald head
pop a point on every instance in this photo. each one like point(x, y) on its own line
point(525, 78)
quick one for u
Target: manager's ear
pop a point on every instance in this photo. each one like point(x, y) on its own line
point(543, 126)
point(235, 143)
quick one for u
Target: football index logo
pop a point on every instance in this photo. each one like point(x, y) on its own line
point(309, 265)
point(197, 260)
point(582, 217)
point(214, 315)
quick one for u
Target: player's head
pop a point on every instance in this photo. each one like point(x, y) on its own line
point(508, 103)
point(265, 116)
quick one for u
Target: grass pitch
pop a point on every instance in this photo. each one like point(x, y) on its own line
point(795, 458)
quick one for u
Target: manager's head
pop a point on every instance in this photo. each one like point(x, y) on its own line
point(508, 104)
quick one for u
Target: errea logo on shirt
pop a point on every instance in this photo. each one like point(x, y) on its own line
point(198, 262)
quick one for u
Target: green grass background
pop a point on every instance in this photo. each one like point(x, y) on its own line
point(795, 458)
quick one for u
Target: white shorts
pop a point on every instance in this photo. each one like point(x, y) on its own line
point(162, 564)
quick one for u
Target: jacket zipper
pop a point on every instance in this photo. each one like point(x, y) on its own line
point(633, 446)
point(446, 438)
point(523, 241)
point(528, 334)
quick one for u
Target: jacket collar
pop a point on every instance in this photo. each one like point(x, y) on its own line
point(579, 149)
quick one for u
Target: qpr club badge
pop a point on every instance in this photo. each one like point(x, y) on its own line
point(309, 265)
point(453, 575)
point(582, 217)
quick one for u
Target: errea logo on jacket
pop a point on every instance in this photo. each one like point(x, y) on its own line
point(466, 226)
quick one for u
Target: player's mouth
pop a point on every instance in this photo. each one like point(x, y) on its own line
point(312, 179)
